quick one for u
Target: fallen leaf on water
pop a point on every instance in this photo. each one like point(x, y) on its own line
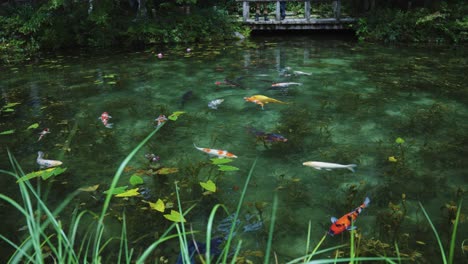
point(175, 217)
point(167, 170)
point(129, 193)
point(209, 185)
point(117, 190)
point(227, 168)
point(7, 132)
point(35, 125)
point(175, 115)
point(158, 205)
point(89, 188)
point(220, 161)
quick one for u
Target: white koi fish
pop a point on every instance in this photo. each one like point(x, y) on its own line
point(45, 163)
point(217, 152)
point(215, 103)
point(301, 73)
point(285, 84)
point(318, 165)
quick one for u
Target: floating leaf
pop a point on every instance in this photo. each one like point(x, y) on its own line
point(392, 159)
point(89, 188)
point(175, 217)
point(209, 185)
point(8, 132)
point(165, 171)
point(55, 171)
point(35, 125)
point(6, 110)
point(216, 161)
point(175, 115)
point(227, 168)
point(129, 193)
point(399, 140)
point(44, 174)
point(135, 180)
point(10, 105)
point(158, 206)
point(117, 190)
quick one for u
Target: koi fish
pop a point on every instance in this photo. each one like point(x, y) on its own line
point(45, 163)
point(301, 73)
point(43, 133)
point(215, 103)
point(267, 137)
point(161, 119)
point(105, 119)
point(285, 84)
point(262, 100)
point(318, 165)
point(217, 152)
point(344, 223)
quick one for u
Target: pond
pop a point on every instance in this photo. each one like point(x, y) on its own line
point(399, 113)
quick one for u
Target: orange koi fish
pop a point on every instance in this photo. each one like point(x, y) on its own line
point(344, 223)
point(262, 100)
point(217, 152)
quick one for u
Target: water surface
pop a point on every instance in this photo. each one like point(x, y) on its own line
point(357, 100)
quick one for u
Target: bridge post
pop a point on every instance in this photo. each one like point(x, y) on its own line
point(307, 10)
point(245, 11)
point(337, 9)
point(278, 11)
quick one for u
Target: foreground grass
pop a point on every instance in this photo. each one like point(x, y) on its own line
point(65, 247)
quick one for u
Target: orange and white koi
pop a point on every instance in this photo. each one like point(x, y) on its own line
point(45, 163)
point(262, 100)
point(43, 133)
point(161, 119)
point(217, 152)
point(105, 119)
point(345, 222)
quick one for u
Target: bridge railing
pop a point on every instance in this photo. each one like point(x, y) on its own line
point(246, 6)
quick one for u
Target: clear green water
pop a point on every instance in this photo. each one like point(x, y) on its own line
point(357, 101)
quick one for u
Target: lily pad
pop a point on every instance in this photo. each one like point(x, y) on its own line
point(136, 180)
point(158, 206)
point(175, 217)
point(227, 168)
point(33, 126)
point(175, 115)
point(220, 161)
point(117, 190)
point(209, 185)
point(165, 171)
point(129, 193)
point(7, 132)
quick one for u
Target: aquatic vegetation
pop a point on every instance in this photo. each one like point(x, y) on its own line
point(44, 174)
point(391, 219)
point(209, 186)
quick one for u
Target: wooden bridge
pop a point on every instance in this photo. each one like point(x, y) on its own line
point(296, 23)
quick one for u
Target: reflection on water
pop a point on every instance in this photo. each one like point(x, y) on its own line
point(352, 103)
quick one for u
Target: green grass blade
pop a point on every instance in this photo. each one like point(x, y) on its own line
point(442, 253)
point(209, 228)
point(272, 229)
point(236, 215)
point(454, 234)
